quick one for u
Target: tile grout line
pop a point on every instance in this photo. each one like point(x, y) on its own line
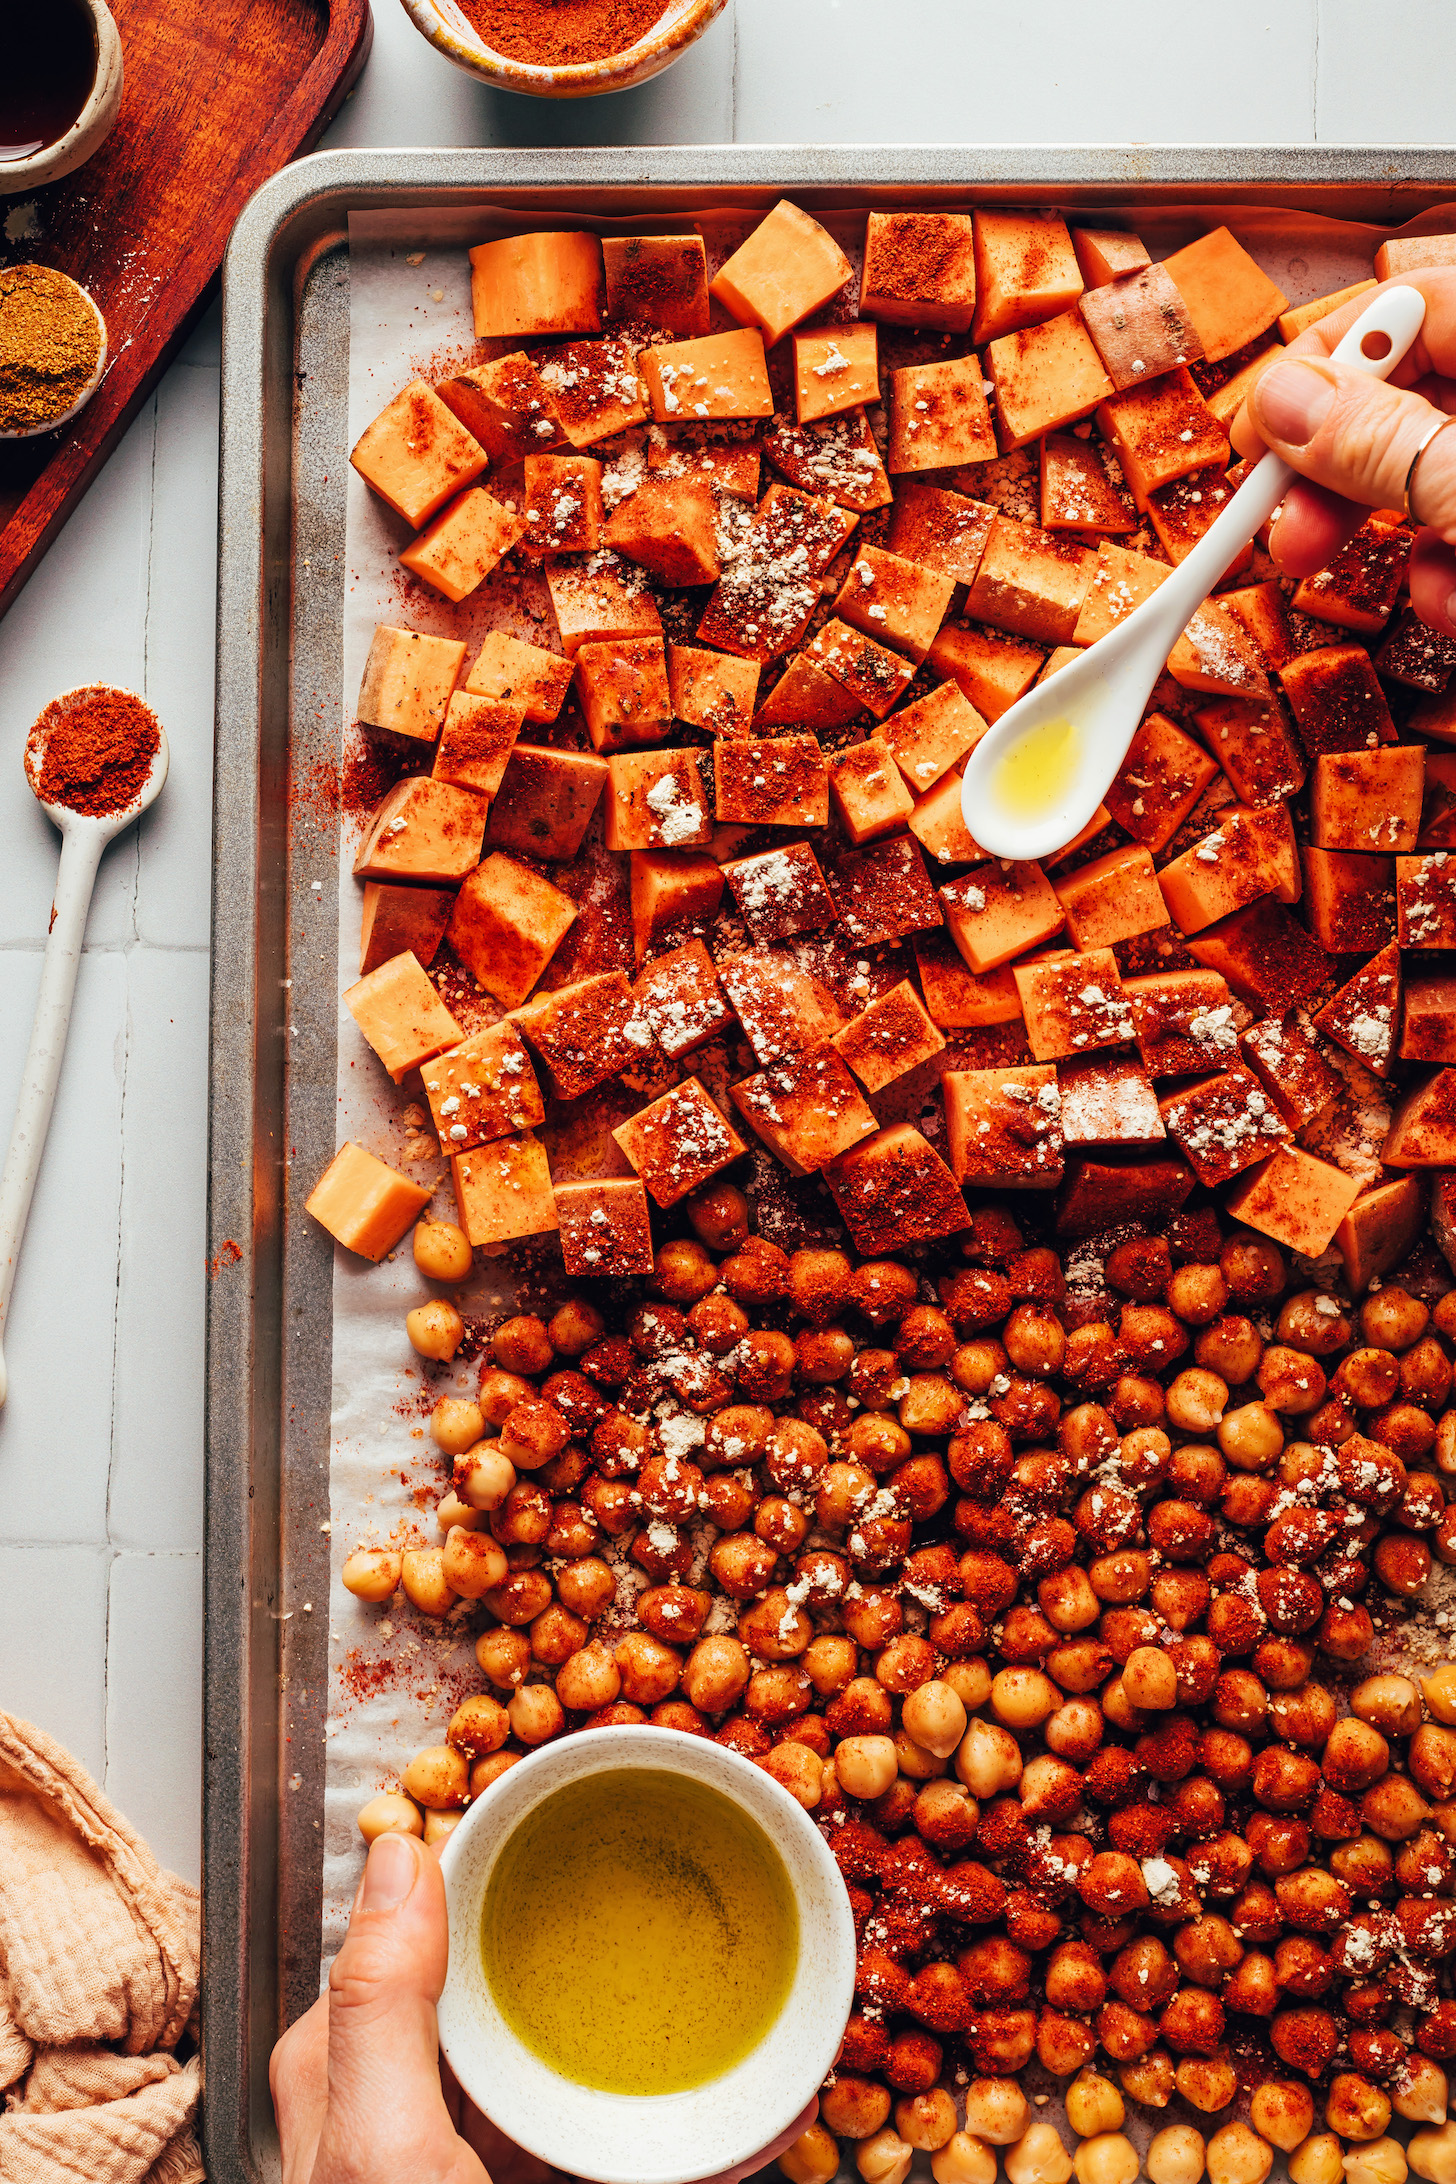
point(733, 83)
point(120, 1234)
point(1314, 77)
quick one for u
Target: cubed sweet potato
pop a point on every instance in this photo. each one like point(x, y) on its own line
point(506, 927)
point(1026, 269)
point(545, 801)
point(919, 270)
point(1045, 377)
point(894, 1189)
point(1295, 1199)
point(807, 1109)
point(678, 1143)
point(605, 1228)
point(536, 284)
point(1004, 1127)
point(939, 417)
point(788, 268)
point(1229, 299)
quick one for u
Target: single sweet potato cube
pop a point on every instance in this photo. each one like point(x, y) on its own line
point(1294, 322)
point(545, 801)
point(1266, 955)
point(400, 919)
point(1113, 898)
point(1381, 1227)
point(783, 1009)
point(408, 678)
point(1249, 739)
point(1004, 1127)
point(476, 742)
point(1428, 1029)
point(990, 670)
point(678, 1143)
point(1364, 1015)
point(582, 1032)
point(1359, 587)
point(507, 925)
point(1227, 398)
point(1113, 1190)
point(712, 690)
point(671, 890)
point(894, 1189)
point(401, 1015)
point(883, 893)
point(889, 1038)
point(1217, 657)
point(484, 1088)
point(596, 389)
point(1159, 782)
point(1078, 489)
point(1031, 582)
point(679, 996)
point(1180, 513)
point(1072, 1002)
point(805, 697)
point(1259, 609)
point(1416, 655)
point(839, 458)
point(999, 911)
point(1291, 1069)
point(898, 602)
point(563, 504)
point(1249, 853)
point(1425, 900)
point(1423, 1128)
point(943, 531)
point(876, 677)
point(507, 407)
point(605, 1228)
point(955, 998)
point(780, 783)
point(781, 892)
point(867, 791)
point(416, 454)
point(1228, 298)
point(1026, 270)
point(788, 268)
point(456, 553)
point(1162, 432)
point(1438, 809)
point(1336, 700)
point(424, 830)
point(1108, 1099)
point(836, 368)
point(536, 284)
point(919, 270)
point(1405, 253)
point(1140, 326)
point(600, 601)
point(724, 375)
point(1295, 1199)
point(767, 595)
point(1435, 717)
point(1045, 377)
point(503, 1191)
point(939, 417)
point(1368, 799)
point(1348, 899)
point(658, 282)
point(656, 800)
point(669, 526)
point(807, 1110)
point(928, 737)
point(621, 687)
point(1105, 254)
point(1121, 581)
point(938, 824)
point(520, 674)
point(1183, 1021)
point(365, 1205)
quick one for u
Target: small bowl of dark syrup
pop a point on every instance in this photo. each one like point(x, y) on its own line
point(60, 88)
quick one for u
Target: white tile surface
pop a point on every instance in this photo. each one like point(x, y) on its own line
point(126, 595)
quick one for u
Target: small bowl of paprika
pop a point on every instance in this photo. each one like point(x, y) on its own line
point(562, 49)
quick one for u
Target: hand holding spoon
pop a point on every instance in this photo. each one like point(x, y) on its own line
point(1036, 777)
point(84, 835)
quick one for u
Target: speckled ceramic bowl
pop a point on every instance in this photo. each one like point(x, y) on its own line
point(681, 24)
point(676, 2137)
point(91, 126)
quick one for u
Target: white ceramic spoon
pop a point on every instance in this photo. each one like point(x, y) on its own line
point(83, 838)
point(1103, 693)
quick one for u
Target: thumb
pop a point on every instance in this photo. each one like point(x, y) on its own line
point(1355, 436)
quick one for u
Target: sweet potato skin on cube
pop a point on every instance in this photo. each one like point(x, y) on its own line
point(1229, 299)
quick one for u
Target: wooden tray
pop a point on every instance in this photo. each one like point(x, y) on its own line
point(218, 96)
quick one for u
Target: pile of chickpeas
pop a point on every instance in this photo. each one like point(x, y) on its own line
point(1056, 1612)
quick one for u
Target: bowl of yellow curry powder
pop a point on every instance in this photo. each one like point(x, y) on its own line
point(52, 350)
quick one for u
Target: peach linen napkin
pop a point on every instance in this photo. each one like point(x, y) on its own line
point(99, 1958)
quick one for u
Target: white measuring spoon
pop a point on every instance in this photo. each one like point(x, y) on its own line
point(1102, 694)
point(83, 838)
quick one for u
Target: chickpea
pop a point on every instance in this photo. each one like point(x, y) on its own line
point(536, 1713)
point(853, 2108)
point(1039, 2157)
point(589, 1679)
point(1150, 2082)
point(505, 1656)
point(884, 2158)
point(1317, 2160)
point(484, 1475)
point(930, 1404)
point(1175, 2154)
point(1392, 1319)
point(650, 1671)
point(1206, 2082)
point(935, 1718)
point(716, 1674)
point(587, 1587)
point(372, 1573)
point(437, 1778)
point(1420, 2091)
point(1094, 2105)
point(1356, 2108)
point(814, 2157)
point(799, 1771)
point(422, 1574)
point(1023, 1698)
point(866, 1766)
point(574, 1327)
point(1381, 2161)
point(1150, 1679)
point(1432, 2154)
point(1251, 1437)
point(1237, 2155)
point(442, 1251)
point(456, 1425)
point(500, 1392)
point(1109, 2158)
point(390, 1814)
point(684, 1272)
point(996, 2110)
point(440, 1824)
point(478, 1726)
point(1196, 1400)
point(435, 1329)
point(873, 1619)
point(926, 2120)
point(963, 2160)
point(970, 1680)
point(829, 1663)
point(1068, 1601)
point(1282, 2112)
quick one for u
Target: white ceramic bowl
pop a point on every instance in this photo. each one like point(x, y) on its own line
point(91, 126)
point(680, 25)
point(671, 2138)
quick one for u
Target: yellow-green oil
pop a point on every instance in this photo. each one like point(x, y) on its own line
point(639, 1932)
point(1035, 770)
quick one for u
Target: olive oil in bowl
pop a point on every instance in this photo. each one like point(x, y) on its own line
point(639, 1932)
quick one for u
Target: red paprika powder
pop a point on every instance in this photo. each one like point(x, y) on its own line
point(92, 750)
point(561, 33)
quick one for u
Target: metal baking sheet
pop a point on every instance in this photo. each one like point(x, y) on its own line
point(275, 903)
